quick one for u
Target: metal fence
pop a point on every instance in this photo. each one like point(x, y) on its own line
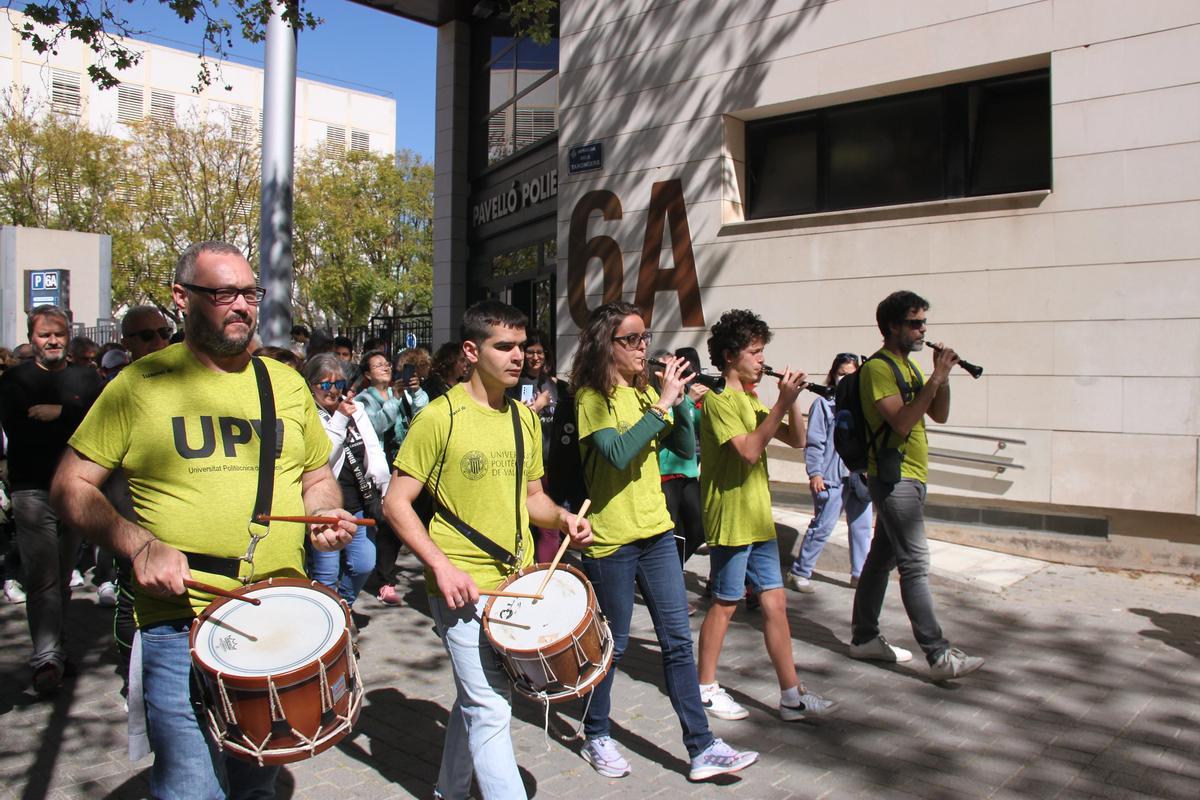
point(415, 330)
point(103, 332)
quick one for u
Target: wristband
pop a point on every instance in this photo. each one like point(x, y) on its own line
point(658, 412)
point(138, 552)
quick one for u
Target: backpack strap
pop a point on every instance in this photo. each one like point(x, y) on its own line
point(907, 394)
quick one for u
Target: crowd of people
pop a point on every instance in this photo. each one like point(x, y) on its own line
point(124, 444)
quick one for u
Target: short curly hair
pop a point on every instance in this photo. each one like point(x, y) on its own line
point(734, 331)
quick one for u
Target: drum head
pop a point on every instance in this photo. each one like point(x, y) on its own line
point(563, 605)
point(294, 626)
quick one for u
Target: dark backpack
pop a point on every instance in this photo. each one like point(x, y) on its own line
point(852, 437)
point(565, 479)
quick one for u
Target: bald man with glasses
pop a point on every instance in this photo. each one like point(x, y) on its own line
point(144, 330)
point(185, 423)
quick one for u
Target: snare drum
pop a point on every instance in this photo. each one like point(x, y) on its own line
point(278, 681)
point(557, 648)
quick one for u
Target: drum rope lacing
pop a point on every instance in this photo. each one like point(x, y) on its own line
point(310, 745)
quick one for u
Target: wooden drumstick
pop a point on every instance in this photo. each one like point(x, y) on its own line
point(204, 587)
point(499, 621)
point(562, 548)
point(370, 523)
point(501, 593)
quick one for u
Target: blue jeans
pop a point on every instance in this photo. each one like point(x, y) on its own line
point(899, 543)
point(187, 764)
point(345, 571)
point(827, 507)
point(654, 564)
point(478, 738)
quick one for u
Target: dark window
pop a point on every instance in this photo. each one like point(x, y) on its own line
point(964, 140)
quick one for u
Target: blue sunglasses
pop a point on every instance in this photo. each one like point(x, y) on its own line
point(325, 386)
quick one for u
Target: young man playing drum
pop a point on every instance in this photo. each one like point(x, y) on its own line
point(463, 448)
point(182, 424)
point(735, 429)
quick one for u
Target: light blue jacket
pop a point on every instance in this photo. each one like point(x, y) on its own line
point(387, 413)
point(820, 456)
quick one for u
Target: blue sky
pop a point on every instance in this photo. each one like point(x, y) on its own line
point(380, 52)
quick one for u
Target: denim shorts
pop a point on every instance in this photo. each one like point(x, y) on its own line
point(732, 567)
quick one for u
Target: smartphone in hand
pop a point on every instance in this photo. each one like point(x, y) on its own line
point(527, 393)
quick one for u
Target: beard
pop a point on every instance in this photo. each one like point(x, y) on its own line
point(50, 357)
point(212, 339)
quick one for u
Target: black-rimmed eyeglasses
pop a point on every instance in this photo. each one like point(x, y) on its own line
point(226, 295)
point(633, 340)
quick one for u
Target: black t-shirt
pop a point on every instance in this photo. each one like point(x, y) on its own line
point(34, 447)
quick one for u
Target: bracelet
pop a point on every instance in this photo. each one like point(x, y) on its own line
point(138, 552)
point(658, 412)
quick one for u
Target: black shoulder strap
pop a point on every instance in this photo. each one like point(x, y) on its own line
point(473, 536)
point(519, 443)
point(268, 442)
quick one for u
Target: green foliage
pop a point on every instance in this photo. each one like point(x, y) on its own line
point(534, 18)
point(99, 24)
point(363, 236)
point(363, 221)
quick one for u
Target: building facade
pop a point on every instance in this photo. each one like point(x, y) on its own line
point(1032, 167)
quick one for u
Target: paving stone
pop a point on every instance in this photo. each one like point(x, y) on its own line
point(1080, 698)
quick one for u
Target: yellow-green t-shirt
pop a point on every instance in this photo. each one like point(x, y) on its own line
point(187, 439)
point(627, 504)
point(877, 382)
point(736, 495)
point(465, 453)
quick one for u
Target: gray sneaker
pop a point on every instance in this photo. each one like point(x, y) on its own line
point(954, 663)
point(799, 583)
point(879, 649)
point(719, 759)
point(605, 758)
point(811, 705)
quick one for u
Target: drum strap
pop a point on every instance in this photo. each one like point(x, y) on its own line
point(510, 560)
point(268, 441)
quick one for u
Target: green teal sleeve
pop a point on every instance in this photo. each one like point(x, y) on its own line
point(619, 449)
point(682, 439)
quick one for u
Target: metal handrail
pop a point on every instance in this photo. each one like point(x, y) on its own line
point(1001, 440)
point(999, 465)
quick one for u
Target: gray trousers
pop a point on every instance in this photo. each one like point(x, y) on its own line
point(48, 550)
point(900, 543)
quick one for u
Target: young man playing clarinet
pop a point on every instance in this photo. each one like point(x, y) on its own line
point(735, 429)
point(895, 400)
point(486, 484)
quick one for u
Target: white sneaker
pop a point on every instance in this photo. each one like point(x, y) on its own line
point(954, 663)
point(106, 595)
point(13, 591)
point(798, 583)
point(878, 649)
point(719, 759)
point(605, 758)
point(76, 579)
point(811, 705)
point(719, 704)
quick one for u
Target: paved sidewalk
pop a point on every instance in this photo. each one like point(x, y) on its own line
point(1092, 689)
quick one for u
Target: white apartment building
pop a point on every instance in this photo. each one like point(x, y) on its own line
point(160, 86)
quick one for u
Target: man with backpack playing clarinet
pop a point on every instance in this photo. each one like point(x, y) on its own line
point(895, 398)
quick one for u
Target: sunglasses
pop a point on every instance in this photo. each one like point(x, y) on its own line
point(325, 386)
point(847, 357)
point(632, 340)
point(916, 324)
point(147, 335)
